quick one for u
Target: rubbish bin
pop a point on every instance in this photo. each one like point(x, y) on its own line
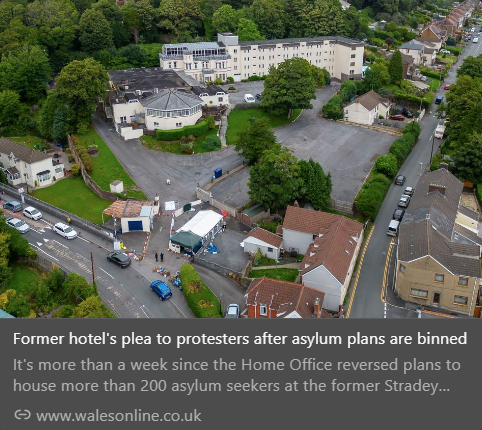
point(218, 173)
point(186, 207)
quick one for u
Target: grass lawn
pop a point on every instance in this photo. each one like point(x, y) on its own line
point(32, 142)
point(434, 84)
point(72, 195)
point(174, 147)
point(106, 168)
point(22, 278)
point(238, 118)
point(280, 274)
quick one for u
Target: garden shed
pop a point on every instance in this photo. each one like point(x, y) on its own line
point(134, 215)
point(268, 243)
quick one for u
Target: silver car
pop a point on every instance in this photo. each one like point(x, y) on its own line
point(404, 201)
point(233, 311)
point(18, 224)
point(32, 213)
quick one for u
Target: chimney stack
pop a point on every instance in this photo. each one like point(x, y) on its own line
point(296, 204)
point(435, 187)
point(444, 166)
point(316, 308)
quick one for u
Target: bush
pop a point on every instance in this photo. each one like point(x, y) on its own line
point(75, 170)
point(210, 121)
point(87, 162)
point(211, 143)
point(71, 159)
point(479, 193)
point(400, 150)
point(334, 108)
point(200, 299)
point(230, 79)
point(231, 88)
point(194, 130)
point(256, 78)
point(387, 164)
point(370, 198)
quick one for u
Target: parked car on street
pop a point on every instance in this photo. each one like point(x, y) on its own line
point(119, 258)
point(18, 225)
point(161, 289)
point(475, 40)
point(393, 227)
point(438, 100)
point(233, 311)
point(32, 213)
point(65, 231)
point(409, 191)
point(404, 201)
point(258, 96)
point(248, 98)
point(447, 87)
point(398, 214)
point(400, 180)
point(13, 206)
point(397, 117)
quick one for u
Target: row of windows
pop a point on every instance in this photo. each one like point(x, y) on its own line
point(292, 47)
point(423, 294)
point(173, 114)
point(44, 177)
point(463, 281)
point(178, 124)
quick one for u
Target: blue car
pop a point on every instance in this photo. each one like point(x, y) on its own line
point(161, 289)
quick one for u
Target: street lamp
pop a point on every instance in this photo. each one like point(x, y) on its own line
point(421, 168)
point(25, 175)
point(431, 152)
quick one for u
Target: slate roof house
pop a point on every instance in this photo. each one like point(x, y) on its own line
point(330, 244)
point(22, 164)
point(439, 247)
point(415, 50)
point(366, 108)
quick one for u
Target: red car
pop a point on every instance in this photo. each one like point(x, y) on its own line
point(397, 117)
point(447, 87)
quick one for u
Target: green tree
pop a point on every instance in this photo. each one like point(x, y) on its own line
point(18, 307)
point(254, 139)
point(472, 66)
point(26, 71)
point(316, 185)
point(376, 76)
point(55, 280)
point(395, 68)
point(16, 35)
point(290, 86)
point(10, 10)
point(318, 75)
point(79, 84)
point(3, 178)
point(42, 296)
point(274, 181)
point(270, 18)
point(353, 23)
point(95, 31)
point(181, 17)
point(139, 18)
point(247, 30)
point(83, 5)
point(92, 307)
point(76, 288)
point(225, 19)
point(10, 107)
point(109, 9)
point(468, 160)
point(387, 164)
point(134, 54)
point(59, 127)
point(5, 271)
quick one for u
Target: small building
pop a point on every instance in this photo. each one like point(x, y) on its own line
point(22, 164)
point(270, 298)
point(134, 215)
point(205, 225)
point(366, 108)
point(415, 50)
point(212, 96)
point(254, 214)
point(268, 243)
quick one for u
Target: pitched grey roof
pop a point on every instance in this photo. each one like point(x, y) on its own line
point(171, 100)
point(370, 100)
point(429, 223)
point(406, 59)
point(144, 79)
point(212, 90)
point(297, 40)
point(412, 45)
point(22, 152)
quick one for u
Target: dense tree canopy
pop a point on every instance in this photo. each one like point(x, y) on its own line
point(468, 159)
point(255, 139)
point(181, 17)
point(225, 19)
point(247, 30)
point(472, 66)
point(395, 68)
point(316, 185)
point(10, 107)
point(269, 16)
point(95, 31)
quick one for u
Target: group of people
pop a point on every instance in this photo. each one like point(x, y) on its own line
point(157, 257)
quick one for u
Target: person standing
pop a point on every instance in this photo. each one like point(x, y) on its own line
point(162, 257)
point(156, 257)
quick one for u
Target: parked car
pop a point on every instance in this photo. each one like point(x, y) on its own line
point(423, 79)
point(65, 231)
point(248, 98)
point(32, 213)
point(13, 206)
point(161, 289)
point(258, 96)
point(119, 258)
point(475, 40)
point(233, 311)
point(409, 191)
point(447, 87)
point(393, 228)
point(438, 100)
point(18, 224)
point(400, 180)
point(444, 51)
point(404, 201)
point(398, 214)
point(397, 117)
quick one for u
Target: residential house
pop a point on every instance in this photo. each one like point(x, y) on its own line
point(408, 65)
point(230, 58)
point(22, 164)
point(330, 244)
point(430, 51)
point(434, 34)
point(260, 239)
point(449, 25)
point(415, 50)
point(270, 298)
point(439, 247)
point(344, 4)
point(366, 108)
point(211, 95)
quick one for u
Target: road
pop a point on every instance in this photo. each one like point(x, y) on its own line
point(367, 301)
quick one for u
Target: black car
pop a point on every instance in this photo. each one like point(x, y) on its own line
point(398, 214)
point(119, 258)
point(258, 96)
point(399, 180)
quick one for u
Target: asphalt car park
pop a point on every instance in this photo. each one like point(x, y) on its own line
point(253, 88)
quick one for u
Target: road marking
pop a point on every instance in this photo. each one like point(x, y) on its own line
point(41, 250)
point(142, 309)
point(108, 274)
point(178, 309)
point(81, 238)
point(39, 244)
point(359, 270)
point(42, 230)
point(385, 271)
point(36, 231)
point(61, 244)
point(46, 240)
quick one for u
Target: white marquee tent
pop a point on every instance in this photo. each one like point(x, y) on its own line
point(204, 224)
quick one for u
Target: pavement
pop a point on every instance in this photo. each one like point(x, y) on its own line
point(366, 300)
point(233, 190)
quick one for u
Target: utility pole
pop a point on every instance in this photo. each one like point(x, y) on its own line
point(92, 261)
point(431, 152)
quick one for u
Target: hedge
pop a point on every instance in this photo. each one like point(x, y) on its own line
point(434, 75)
point(190, 130)
point(201, 300)
point(456, 51)
point(333, 109)
point(426, 101)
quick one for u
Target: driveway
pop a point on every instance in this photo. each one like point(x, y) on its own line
point(253, 88)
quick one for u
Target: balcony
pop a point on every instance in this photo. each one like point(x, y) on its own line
point(211, 57)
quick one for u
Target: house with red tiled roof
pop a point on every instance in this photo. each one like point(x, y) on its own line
point(270, 298)
point(330, 244)
point(268, 243)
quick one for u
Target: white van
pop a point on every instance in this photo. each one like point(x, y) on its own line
point(248, 98)
point(393, 228)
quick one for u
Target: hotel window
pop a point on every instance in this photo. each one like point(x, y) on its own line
point(463, 282)
point(419, 294)
point(439, 278)
point(352, 64)
point(179, 124)
point(270, 249)
point(58, 170)
point(353, 48)
point(353, 55)
point(235, 51)
point(460, 300)
point(402, 269)
point(263, 310)
point(156, 124)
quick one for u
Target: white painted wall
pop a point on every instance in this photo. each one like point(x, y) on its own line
point(217, 100)
point(359, 114)
point(154, 123)
point(126, 110)
point(130, 133)
point(297, 240)
point(146, 223)
point(321, 279)
point(253, 244)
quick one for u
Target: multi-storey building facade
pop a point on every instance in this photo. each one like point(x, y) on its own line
point(206, 61)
